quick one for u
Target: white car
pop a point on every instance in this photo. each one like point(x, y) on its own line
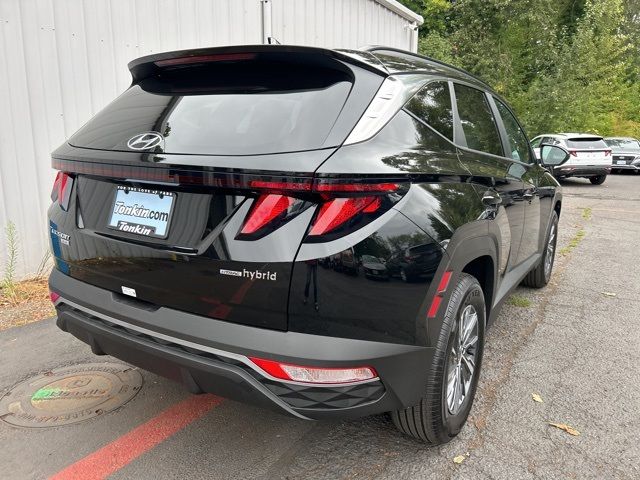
point(590, 156)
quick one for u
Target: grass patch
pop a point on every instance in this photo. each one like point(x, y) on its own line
point(8, 283)
point(34, 289)
point(586, 213)
point(519, 301)
point(573, 243)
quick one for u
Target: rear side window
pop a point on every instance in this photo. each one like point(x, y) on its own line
point(478, 123)
point(586, 143)
point(518, 143)
point(432, 105)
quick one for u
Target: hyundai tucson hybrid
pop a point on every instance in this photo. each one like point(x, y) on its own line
point(590, 156)
point(626, 153)
point(195, 217)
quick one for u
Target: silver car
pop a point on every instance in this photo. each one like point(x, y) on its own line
point(626, 153)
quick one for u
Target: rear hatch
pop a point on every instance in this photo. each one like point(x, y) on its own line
point(589, 151)
point(177, 188)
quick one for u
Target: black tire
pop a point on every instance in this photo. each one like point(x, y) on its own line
point(540, 276)
point(599, 180)
point(431, 420)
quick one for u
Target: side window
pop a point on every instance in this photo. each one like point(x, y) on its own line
point(518, 143)
point(477, 120)
point(432, 105)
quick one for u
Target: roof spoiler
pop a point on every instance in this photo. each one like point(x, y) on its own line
point(144, 67)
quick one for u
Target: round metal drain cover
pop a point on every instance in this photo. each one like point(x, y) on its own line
point(70, 395)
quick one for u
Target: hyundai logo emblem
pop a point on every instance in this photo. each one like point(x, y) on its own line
point(145, 141)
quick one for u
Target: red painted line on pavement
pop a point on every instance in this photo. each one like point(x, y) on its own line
point(122, 451)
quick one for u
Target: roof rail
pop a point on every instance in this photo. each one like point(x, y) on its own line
point(374, 48)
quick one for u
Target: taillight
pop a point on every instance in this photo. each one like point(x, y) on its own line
point(342, 205)
point(53, 296)
point(266, 209)
point(299, 373)
point(573, 153)
point(607, 153)
point(338, 211)
point(348, 206)
point(61, 192)
point(269, 212)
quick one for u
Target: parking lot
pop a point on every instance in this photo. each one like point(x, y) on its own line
point(576, 344)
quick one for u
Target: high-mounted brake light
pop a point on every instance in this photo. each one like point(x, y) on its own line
point(221, 57)
point(61, 191)
point(299, 373)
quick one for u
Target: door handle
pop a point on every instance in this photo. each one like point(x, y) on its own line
point(528, 196)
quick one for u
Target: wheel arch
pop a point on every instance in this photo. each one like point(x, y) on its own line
point(472, 250)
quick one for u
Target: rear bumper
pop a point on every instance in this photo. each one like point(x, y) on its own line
point(208, 355)
point(581, 171)
point(626, 167)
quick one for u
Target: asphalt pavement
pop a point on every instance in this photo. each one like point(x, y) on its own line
point(576, 345)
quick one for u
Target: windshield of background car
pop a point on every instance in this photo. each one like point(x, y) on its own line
point(623, 144)
point(587, 143)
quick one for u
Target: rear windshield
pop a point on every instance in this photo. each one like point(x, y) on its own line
point(244, 110)
point(586, 143)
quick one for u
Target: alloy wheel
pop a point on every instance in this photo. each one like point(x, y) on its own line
point(550, 253)
point(462, 359)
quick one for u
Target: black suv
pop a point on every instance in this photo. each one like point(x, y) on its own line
point(194, 220)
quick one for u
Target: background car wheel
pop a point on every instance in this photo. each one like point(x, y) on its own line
point(453, 374)
point(599, 180)
point(541, 274)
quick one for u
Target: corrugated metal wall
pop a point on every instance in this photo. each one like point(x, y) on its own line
point(61, 61)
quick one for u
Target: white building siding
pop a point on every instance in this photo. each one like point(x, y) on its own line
point(340, 24)
point(61, 61)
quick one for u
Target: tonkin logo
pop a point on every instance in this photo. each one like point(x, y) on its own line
point(253, 275)
point(145, 141)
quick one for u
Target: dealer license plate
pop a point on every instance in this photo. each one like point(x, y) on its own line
point(142, 212)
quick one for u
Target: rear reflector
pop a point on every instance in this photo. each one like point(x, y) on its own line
point(444, 282)
point(437, 299)
point(54, 296)
point(435, 305)
point(298, 373)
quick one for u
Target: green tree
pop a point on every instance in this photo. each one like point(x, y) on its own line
point(564, 65)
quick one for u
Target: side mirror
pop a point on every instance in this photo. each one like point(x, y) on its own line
point(553, 155)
